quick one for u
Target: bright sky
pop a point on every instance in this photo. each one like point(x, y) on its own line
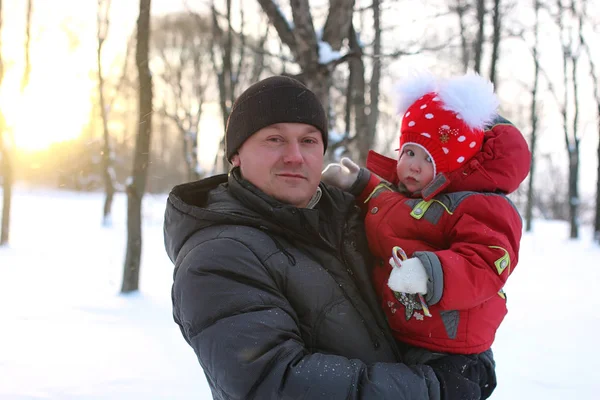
point(56, 104)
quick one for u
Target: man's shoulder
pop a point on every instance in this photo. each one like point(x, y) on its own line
point(337, 196)
point(223, 238)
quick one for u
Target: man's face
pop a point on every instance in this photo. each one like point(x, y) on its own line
point(414, 168)
point(283, 160)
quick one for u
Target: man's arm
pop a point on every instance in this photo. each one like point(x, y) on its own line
point(247, 339)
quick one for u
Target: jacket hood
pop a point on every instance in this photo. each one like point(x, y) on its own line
point(500, 167)
point(228, 199)
point(188, 211)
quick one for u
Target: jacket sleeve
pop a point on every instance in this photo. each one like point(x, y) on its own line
point(246, 337)
point(484, 246)
point(366, 186)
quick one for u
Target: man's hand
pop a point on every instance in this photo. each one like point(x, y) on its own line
point(460, 377)
point(410, 277)
point(342, 175)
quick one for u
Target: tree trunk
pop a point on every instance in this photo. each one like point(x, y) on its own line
point(137, 185)
point(464, 42)
point(574, 200)
point(107, 169)
point(497, 35)
point(190, 152)
point(597, 219)
point(574, 194)
point(534, 119)
point(480, 35)
point(6, 151)
point(571, 140)
point(356, 82)
point(594, 73)
point(27, 71)
point(7, 180)
point(302, 40)
point(375, 76)
point(224, 41)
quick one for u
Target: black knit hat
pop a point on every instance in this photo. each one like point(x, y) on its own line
point(271, 101)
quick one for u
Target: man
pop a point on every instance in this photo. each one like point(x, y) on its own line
point(271, 287)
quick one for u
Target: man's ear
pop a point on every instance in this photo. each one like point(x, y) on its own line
point(235, 160)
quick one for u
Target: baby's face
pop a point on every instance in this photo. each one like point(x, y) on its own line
point(415, 168)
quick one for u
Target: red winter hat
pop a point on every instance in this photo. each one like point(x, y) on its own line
point(446, 118)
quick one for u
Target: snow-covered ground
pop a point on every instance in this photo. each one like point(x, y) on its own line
point(67, 333)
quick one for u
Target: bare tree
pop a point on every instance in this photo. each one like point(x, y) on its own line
point(473, 44)
point(565, 19)
point(182, 44)
point(233, 64)
point(108, 173)
point(355, 102)
point(223, 53)
point(461, 7)
point(6, 158)
point(496, 38)
point(479, 42)
point(594, 73)
point(358, 90)
point(27, 72)
point(534, 119)
point(137, 184)
point(304, 43)
point(375, 80)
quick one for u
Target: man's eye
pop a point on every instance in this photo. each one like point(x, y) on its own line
point(274, 139)
point(310, 141)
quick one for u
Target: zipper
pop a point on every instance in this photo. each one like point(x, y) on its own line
point(338, 254)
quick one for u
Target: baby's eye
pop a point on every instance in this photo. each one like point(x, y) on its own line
point(410, 153)
point(428, 159)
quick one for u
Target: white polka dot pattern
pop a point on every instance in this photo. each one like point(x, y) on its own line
point(440, 131)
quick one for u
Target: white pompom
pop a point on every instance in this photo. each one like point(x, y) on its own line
point(472, 98)
point(413, 88)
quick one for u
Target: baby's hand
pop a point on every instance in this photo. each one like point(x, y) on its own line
point(410, 277)
point(342, 175)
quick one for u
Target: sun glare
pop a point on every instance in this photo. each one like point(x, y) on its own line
point(55, 105)
point(50, 110)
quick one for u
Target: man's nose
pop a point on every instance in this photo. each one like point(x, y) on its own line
point(293, 153)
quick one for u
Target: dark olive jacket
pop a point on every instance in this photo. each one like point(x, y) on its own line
point(276, 300)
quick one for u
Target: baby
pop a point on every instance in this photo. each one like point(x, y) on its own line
point(444, 234)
